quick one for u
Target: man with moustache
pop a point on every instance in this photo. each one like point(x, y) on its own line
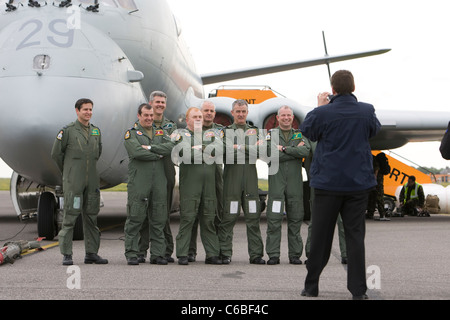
point(147, 192)
point(158, 101)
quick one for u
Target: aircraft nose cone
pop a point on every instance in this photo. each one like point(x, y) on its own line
point(45, 67)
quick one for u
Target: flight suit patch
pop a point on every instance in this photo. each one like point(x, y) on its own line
point(209, 134)
point(250, 132)
point(127, 135)
point(175, 136)
point(159, 133)
point(297, 136)
point(95, 132)
point(60, 135)
point(139, 133)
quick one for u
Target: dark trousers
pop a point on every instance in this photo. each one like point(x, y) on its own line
point(326, 207)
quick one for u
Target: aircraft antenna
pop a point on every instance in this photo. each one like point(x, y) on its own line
point(326, 53)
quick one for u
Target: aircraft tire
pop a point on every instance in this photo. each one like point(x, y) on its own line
point(46, 216)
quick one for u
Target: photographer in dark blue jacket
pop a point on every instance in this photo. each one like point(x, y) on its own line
point(342, 176)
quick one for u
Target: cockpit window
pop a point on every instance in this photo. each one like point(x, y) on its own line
point(109, 3)
point(127, 4)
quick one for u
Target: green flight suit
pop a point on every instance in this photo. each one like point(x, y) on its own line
point(147, 191)
point(219, 195)
point(286, 191)
point(240, 189)
point(197, 189)
point(76, 151)
point(168, 126)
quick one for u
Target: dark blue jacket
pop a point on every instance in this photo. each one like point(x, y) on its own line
point(343, 158)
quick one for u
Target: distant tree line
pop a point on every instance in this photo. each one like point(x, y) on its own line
point(433, 170)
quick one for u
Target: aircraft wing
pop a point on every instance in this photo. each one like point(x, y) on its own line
point(257, 71)
point(399, 127)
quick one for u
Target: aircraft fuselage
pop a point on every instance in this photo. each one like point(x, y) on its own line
point(51, 56)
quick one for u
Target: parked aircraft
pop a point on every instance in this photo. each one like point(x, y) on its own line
point(116, 52)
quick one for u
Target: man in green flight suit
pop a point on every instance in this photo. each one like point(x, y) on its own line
point(146, 147)
point(286, 188)
point(200, 153)
point(208, 110)
point(158, 100)
point(240, 185)
point(76, 151)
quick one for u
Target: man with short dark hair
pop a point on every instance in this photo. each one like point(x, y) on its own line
point(76, 150)
point(147, 193)
point(158, 101)
point(342, 177)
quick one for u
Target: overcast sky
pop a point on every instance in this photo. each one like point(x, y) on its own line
point(414, 75)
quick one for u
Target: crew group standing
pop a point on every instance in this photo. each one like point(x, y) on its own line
point(218, 179)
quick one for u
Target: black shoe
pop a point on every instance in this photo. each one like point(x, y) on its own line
point(67, 260)
point(361, 297)
point(191, 258)
point(308, 294)
point(295, 260)
point(159, 260)
point(273, 260)
point(213, 260)
point(226, 260)
point(183, 261)
point(344, 260)
point(140, 259)
point(258, 260)
point(133, 261)
point(91, 258)
point(169, 258)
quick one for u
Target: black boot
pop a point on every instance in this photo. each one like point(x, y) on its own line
point(91, 258)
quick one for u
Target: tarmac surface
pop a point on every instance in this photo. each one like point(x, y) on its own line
point(406, 258)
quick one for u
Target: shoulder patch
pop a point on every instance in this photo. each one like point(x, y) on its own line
point(127, 135)
point(210, 133)
point(175, 136)
point(95, 132)
point(60, 135)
